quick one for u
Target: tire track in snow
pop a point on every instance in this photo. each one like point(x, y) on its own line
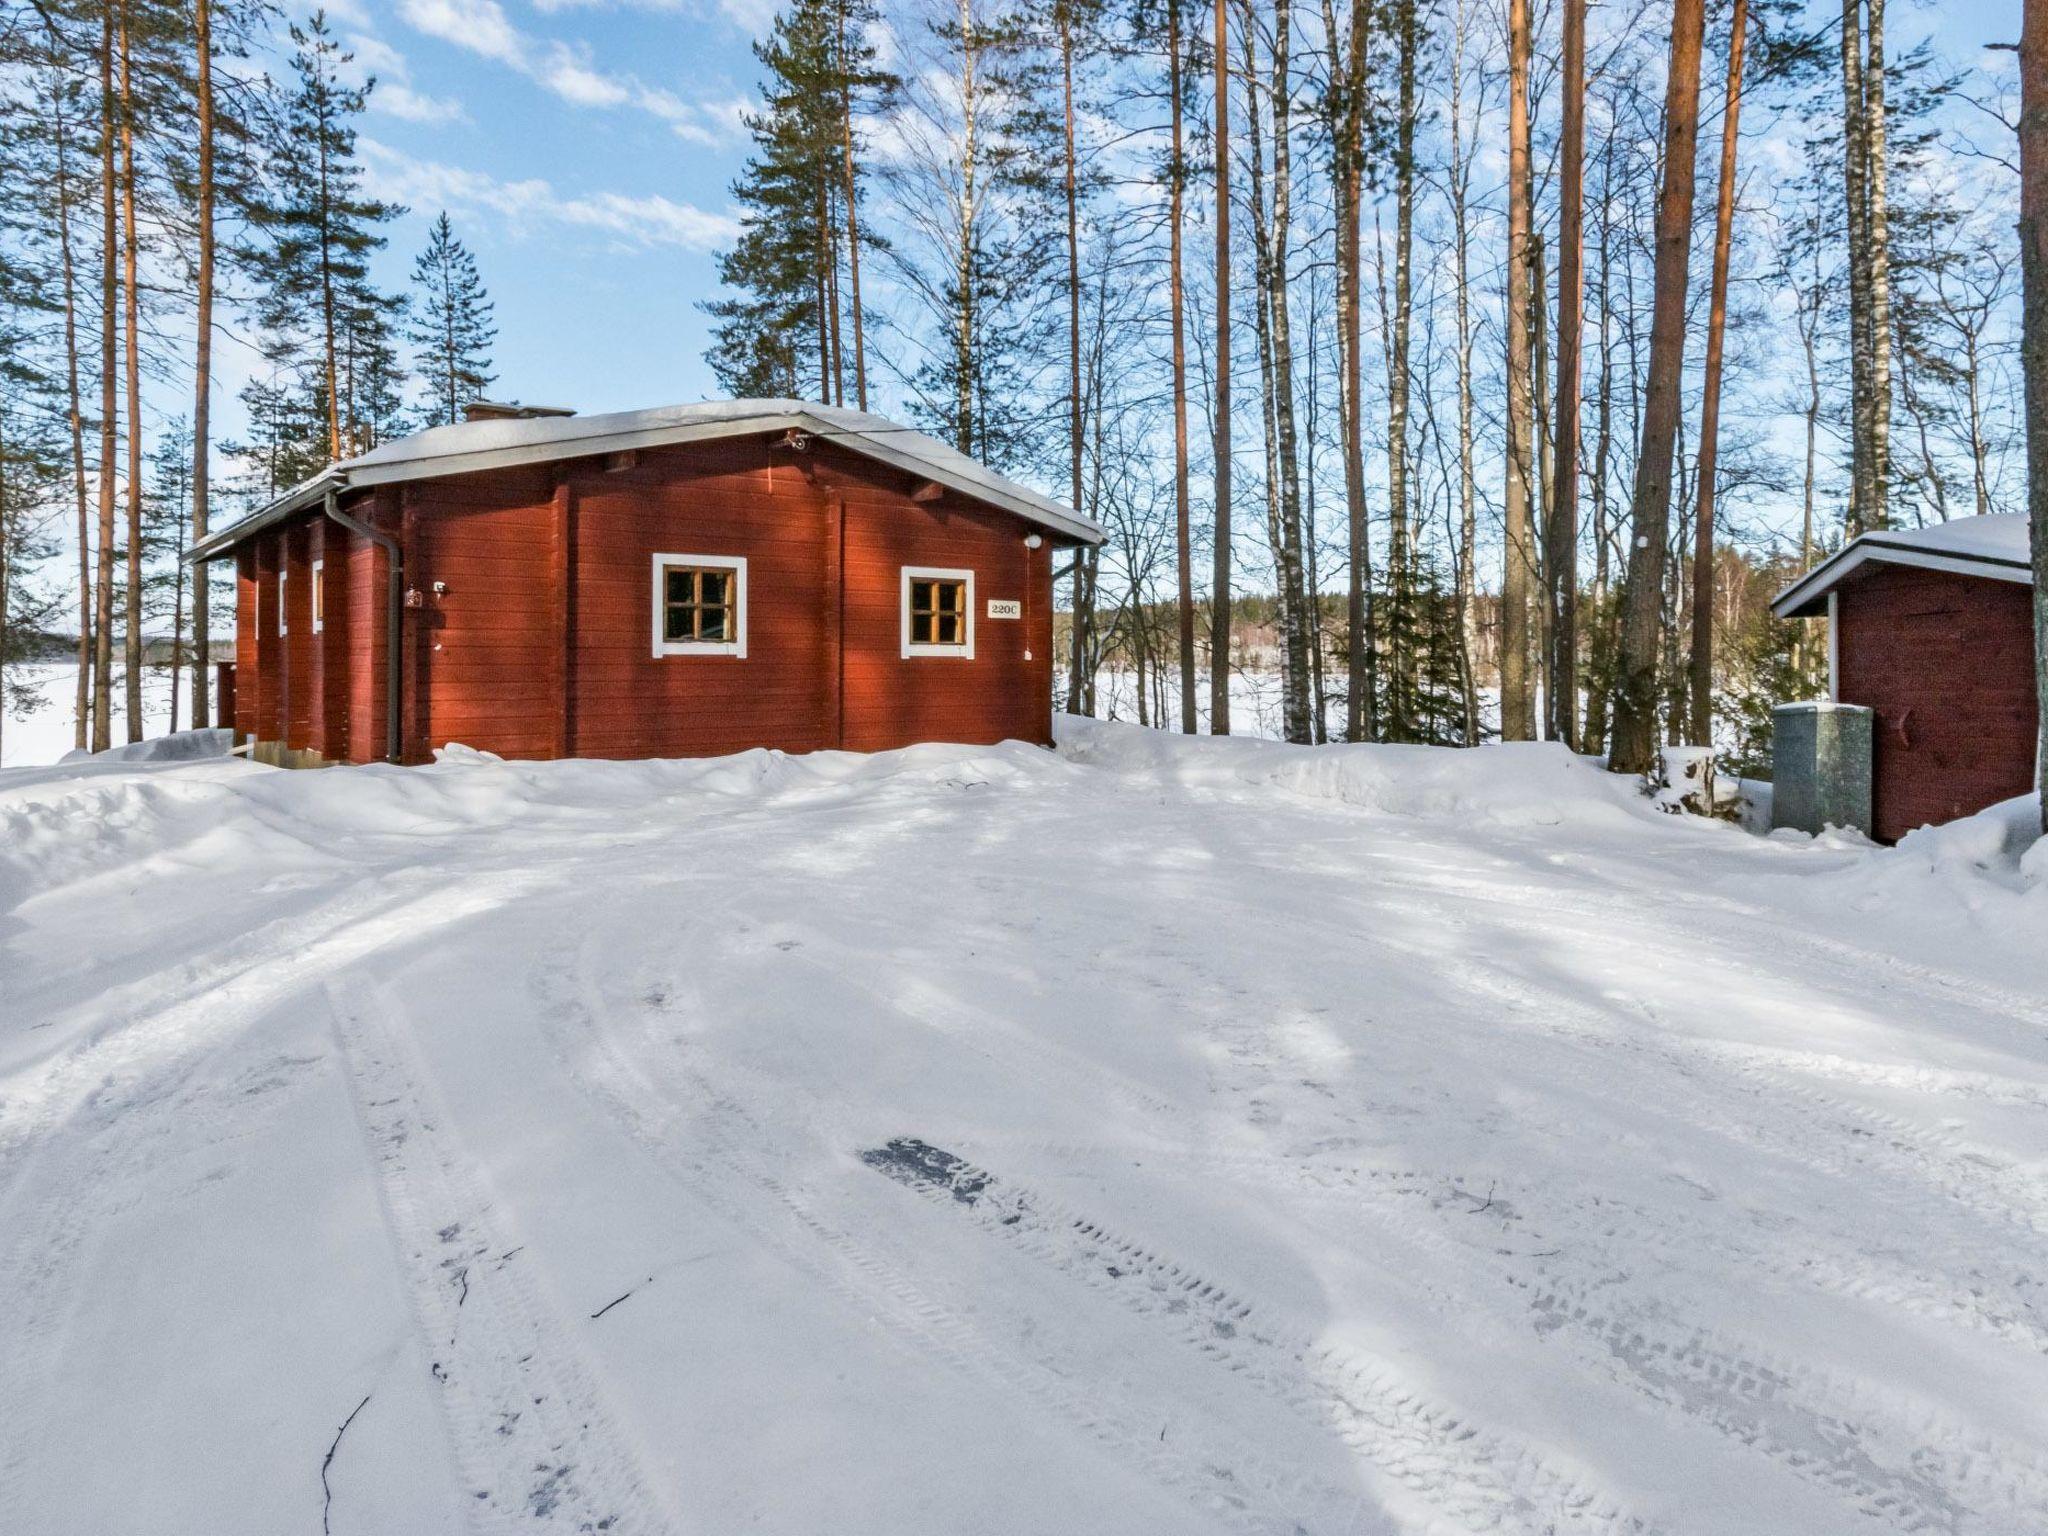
point(112, 1151)
point(1889, 1459)
point(1821, 1264)
point(708, 1142)
point(1455, 1465)
point(534, 1442)
point(150, 1026)
point(1941, 1172)
point(1425, 1448)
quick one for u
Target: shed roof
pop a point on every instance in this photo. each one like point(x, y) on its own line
point(1992, 547)
point(470, 446)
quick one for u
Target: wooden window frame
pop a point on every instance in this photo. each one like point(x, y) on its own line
point(315, 590)
point(736, 567)
point(965, 649)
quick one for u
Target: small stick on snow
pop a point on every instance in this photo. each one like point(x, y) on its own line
point(600, 1312)
point(327, 1493)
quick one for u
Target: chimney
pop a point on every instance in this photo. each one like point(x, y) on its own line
point(510, 410)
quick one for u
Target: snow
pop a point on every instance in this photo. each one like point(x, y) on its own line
point(1151, 1136)
point(44, 734)
point(1994, 547)
point(2001, 536)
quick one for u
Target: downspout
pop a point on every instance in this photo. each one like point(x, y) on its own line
point(394, 608)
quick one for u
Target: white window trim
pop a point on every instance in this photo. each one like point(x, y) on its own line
point(282, 626)
point(911, 573)
point(314, 592)
point(737, 646)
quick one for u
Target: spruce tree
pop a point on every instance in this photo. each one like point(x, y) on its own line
point(452, 326)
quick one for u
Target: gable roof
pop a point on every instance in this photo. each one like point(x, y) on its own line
point(470, 446)
point(1992, 547)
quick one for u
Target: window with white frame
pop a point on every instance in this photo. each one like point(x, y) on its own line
point(700, 605)
point(938, 611)
point(318, 589)
point(281, 575)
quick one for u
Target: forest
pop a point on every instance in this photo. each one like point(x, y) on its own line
point(1464, 368)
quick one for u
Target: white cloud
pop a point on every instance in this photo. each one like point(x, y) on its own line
point(396, 99)
point(566, 69)
point(481, 26)
point(751, 16)
point(644, 220)
point(395, 95)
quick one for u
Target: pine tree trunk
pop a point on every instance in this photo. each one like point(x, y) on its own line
point(1561, 533)
point(821, 262)
point(1262, 326)
point(1219, 606)
point(849, 192)
point(202, 364)
point(1600, 646)
point(1635, 698)
point(131, 653)
point(1080, 675)
point(327, 315)
point(2034, 337)
point(110, 326)
point(1517, 704)
point(82, 706)
point(1856, 202)
point(1701, 685)
point(964, 274)
point(1878, 258)
point(1176, 302)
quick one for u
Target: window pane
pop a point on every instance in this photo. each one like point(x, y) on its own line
point(921, 596)
point(711, 623)
point(949, 629)
point(678, 586)
point(952, 596)
point(711, 586)
point(677, 624)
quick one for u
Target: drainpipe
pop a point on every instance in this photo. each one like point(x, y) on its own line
point(394, 606)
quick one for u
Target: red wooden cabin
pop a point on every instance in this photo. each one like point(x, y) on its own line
point(678, 582)
point(1933, 629)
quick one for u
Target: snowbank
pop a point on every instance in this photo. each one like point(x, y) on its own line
point(181, 747)
point(1503, 784)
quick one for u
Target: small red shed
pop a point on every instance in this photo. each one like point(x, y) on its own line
point(677, 582)
point(1933, 630)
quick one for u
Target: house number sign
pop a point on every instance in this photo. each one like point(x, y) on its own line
point(1005, 608)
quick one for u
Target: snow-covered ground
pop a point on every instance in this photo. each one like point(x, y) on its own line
point(45, 733)
point(1154, 1136)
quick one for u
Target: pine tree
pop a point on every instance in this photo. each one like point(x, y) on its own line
point(781, 335)
point(33, 447)
point(451, 327)
point(324, 231)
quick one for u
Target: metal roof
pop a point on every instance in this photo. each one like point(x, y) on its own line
point(470, 446)
point(1992, 547)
